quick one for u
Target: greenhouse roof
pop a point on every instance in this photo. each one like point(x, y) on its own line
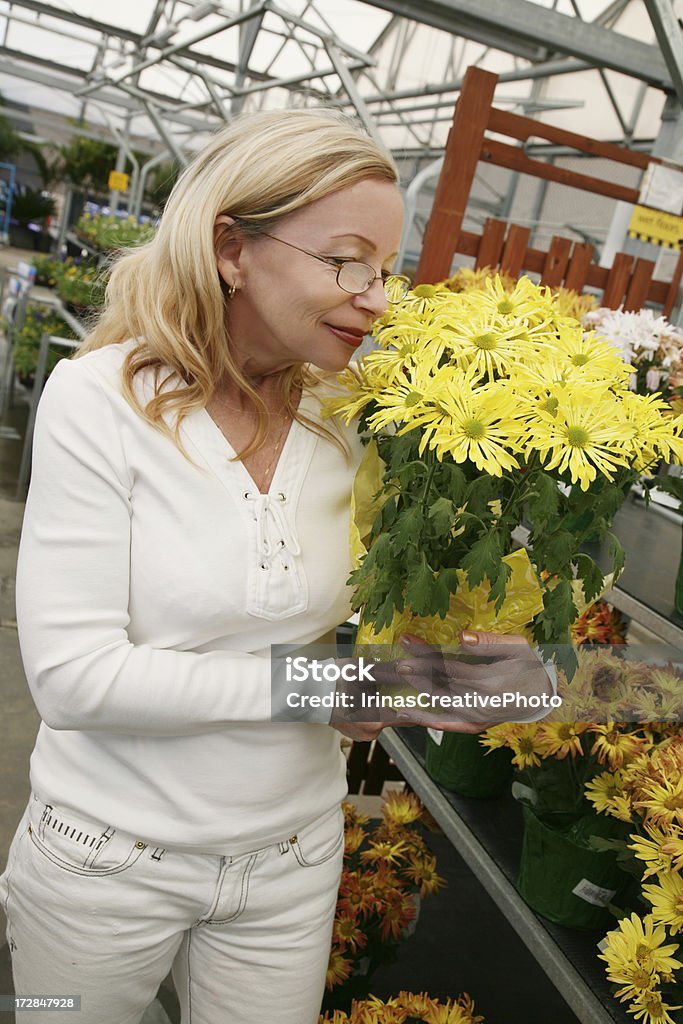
point(169, 71)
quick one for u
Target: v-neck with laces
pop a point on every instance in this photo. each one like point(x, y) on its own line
point(149, 591)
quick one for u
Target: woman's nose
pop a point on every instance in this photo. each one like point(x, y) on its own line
point(373, 299)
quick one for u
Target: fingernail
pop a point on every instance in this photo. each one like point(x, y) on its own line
point(405, 670)
point(469, 638)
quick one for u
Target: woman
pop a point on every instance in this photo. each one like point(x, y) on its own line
point(188, 508)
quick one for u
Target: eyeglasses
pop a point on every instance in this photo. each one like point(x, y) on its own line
point(355, 277)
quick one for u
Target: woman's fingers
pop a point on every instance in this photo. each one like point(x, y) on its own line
point(472, 639)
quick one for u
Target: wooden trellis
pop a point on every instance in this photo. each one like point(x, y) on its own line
point(629, 281)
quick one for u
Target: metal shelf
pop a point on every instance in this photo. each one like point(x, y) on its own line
point(487, 835)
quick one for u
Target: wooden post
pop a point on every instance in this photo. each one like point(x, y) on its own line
point(460, 163)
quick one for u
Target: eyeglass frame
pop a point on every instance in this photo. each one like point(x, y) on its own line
point(339, 262)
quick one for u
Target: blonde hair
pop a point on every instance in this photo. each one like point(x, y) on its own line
point(168, 295)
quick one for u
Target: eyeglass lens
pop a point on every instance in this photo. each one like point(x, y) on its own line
point(357, 277)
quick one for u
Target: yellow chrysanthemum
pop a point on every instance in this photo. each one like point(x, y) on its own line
point(672, 846)
point(353, 838)
point(338, 969)
point(603, 789)
point(562, 738)
point(392, 852)
point(524, 301)
point(581, 437)
point(405, 403)
point(662, 801)
point(526, 744)
point(401, 808)
point(489, 343)
point(650, 1008)
point(653, 433)
point(333, 1017)
point(667, 900)
point(466, 279)
point(614, 746)
point(588, 357)
point(569, 303)
point(428, 298)
point(481, 424)
point(636, 954)
point(422, 871)
point(497, 736)
point(651, 851)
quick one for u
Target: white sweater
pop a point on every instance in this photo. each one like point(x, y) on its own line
point(149, 591)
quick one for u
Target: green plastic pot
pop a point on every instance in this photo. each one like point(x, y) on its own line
point(563, 879)
point(461, 764)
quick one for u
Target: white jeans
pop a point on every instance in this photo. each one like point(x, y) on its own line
point(96, 913)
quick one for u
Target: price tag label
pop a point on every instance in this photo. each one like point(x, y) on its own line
point(118, 181)
point(594, 894)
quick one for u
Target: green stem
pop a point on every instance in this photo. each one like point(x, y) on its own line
point(428, 485)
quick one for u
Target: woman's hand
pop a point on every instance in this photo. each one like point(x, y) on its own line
point(496, 688)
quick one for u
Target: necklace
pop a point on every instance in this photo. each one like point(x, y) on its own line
point(261, 463)
point(279, 443)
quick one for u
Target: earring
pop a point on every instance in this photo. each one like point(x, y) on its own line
point(231, 290)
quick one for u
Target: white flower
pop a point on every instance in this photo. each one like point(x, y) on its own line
point(639, 337)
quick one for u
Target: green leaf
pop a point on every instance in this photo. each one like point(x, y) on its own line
point(555, 551)
point(543, 504)
point(407, 528)
point(450, 481)
point(617, 554)
point(591, 576)
point(379, 553)
point(392, 603)
point(450, 579)
point(420, 591)
point(441, 597)
point(442, 514)
point(480, 492)
point(483, 559)
point(497, 593)
point(559, 611)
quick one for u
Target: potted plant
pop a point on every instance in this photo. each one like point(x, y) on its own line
point(647, 794)
point(386, 870)
point(569, 780)
point(29, 213)
point(488, 409)
point(407, 1008)
point(38, 321)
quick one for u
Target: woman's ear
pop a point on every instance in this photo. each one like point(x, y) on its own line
point(227, 243)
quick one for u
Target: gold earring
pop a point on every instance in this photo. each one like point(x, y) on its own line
point(231, 290)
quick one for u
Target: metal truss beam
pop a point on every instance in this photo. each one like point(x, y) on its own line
point(545, 70)
point(670, 38)
point(76, 19)
point(123, 33)
point(110, 97)
point(529, 24)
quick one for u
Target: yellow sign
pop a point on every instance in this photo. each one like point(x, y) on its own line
point(656, 226)
point(118, 181)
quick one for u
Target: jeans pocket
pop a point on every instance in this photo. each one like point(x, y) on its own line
point(319, 842)
point(78, 845)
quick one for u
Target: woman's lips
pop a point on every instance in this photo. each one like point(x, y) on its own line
point(350, 335)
